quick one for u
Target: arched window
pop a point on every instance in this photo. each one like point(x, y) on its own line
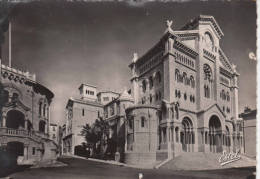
point(177, 134)
point(151, 98)
point(44, 110)
point(207, 72)
point(209, 41)
point(224, 95)
point(179, 94)
point(206, 91)
point(40, 108)
point(177, 75)
point(184, 76)
point(143, 122)
point(144, 85)
point(177, 111)
point(228, 97)
point(192, 81)
point(160, 95)
point(151, 82)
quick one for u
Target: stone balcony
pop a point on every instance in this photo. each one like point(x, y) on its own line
point(22, 133)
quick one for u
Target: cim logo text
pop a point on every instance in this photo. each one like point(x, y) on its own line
point(226, 158)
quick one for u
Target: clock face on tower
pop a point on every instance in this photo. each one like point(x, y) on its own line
point(208, 41)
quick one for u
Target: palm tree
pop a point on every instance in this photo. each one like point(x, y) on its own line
point(95, 134)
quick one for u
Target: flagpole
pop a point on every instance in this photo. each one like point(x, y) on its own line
point(10, 45)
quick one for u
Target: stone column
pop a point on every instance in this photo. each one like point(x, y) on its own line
point(235, 92)
point(126, 131)
point(162, 137)
point(26, 124)
point(169, 148)
point(233, 139)
point(25, 152)
point(46, 128)
point(4, 120)
point(48, 118)
point(134, 79)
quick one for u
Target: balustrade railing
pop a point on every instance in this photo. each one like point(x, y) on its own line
point(19, 132)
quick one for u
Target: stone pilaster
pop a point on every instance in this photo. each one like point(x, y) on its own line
point(26, 124)
point(25, 152)
point(4, 120)
point(169, 143)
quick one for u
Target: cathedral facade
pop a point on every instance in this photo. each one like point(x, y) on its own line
point(185, 92)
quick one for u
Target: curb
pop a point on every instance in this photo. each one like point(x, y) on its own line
point(114, 162)
point(99, 160)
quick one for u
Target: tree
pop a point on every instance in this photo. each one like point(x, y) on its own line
point(95, 134)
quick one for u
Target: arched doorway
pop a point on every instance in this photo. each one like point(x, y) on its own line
point(15, 119)
point(215, 134)
point(14, 149)
point(187, 135)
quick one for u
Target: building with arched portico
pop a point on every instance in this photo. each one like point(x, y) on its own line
point(25, 117)
point(185, 96)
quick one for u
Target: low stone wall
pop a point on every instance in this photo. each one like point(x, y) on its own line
point(133, 158)
point(50, 150)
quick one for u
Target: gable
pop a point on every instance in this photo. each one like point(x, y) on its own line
point(201, 20)
point(215, 107)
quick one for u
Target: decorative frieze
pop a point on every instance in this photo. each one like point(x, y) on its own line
point(16, 75)
point(185, 60)
point(155, 60)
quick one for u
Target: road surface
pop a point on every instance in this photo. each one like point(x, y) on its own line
point(80, 168)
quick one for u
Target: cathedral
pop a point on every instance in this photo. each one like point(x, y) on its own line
point(185, 92)
point(183, 98)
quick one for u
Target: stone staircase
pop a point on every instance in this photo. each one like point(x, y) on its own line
point(204, 161)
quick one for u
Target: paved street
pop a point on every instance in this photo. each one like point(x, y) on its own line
point(79, 168)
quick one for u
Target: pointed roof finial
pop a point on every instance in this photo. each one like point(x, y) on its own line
point(135, 57)
point(169, 26)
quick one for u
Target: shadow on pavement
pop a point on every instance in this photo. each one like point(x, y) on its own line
point(5, 171)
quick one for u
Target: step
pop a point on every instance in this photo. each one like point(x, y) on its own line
point(204, 161)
